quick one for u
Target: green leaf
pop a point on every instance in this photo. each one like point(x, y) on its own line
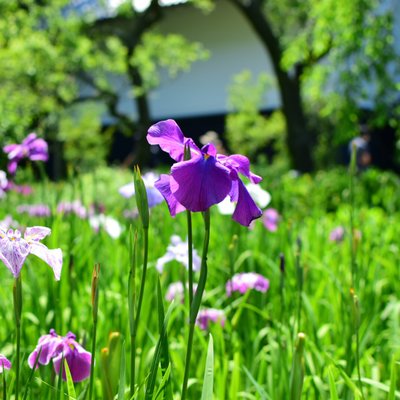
point(208, 383)
point(164, 358)
point(332, 384)
point(70, 382)
point(121, 383)
point(156, 358)
point(393, 378)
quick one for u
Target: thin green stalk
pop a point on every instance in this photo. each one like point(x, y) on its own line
point(197, 301)
point(4, 384)
point(131, 306)
point(17, 296)
point(95, 306)
point(299, 271)
point(351, 200)
point(356, 320)
point(190, 257)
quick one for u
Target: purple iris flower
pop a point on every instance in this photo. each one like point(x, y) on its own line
point(14, 249)
point(31, 147)
point(74, 207)
point(208, 315)
point(246, 281)
point(34, 210)
point(337, 234)
point(271, 219)
point(204, 180)
point(55, 347)
point(175, 291)
point(4, 363)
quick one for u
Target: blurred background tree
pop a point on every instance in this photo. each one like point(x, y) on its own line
point(52, 58)
point(324, 55)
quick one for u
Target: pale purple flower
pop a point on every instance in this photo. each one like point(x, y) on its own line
point(109, 224)
point(4, 363)
point(337, 234)
point(25, 190)
point(271, 219)
point(74, 207)
point(131, 214)
point(204, 180)
point(8, 222)
point(178, 250)
point(175, 291)
point(31, 147)
point(245, 281)
point(207, 315)
point(53, 347)
point(14, 249)
point(154, 197)
point(34, 210)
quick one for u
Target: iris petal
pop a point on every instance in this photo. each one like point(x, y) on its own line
point(200, 182)
point(169, 137)
point(163, 185)
point(246, 209)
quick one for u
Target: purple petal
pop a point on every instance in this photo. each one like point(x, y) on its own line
point(240, 164)
point(169, 137)
point(29, 139)
point(200, 182)
point(163, 185)
point(51, 257)
point(4, 363)
point(49, 346)
point(78, 360)
point(246, 209)
point(12, 167)
point(10, 148)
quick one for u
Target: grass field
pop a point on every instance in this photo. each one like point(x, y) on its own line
point(341, 296)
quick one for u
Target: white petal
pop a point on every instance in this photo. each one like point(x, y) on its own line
point(52, 257)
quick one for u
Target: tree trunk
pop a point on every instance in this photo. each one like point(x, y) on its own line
point(141, 151)
point(298, 137)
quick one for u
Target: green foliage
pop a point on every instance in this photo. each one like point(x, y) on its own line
point(247, 130)
point(171, 52)
point(254, 351)
point(85, 146)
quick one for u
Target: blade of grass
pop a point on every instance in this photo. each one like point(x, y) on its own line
point(156, 358)
point(70, 383)
point(121, 386)
point(208, 382)
point(393, 379)
point(332, 384)
point(164, 361)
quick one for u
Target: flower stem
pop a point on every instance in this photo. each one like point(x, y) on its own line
point(197, 301)
point(190, 257)
point(131, 306)
point(17, 296)
point(95, 307)
point(4, 384)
